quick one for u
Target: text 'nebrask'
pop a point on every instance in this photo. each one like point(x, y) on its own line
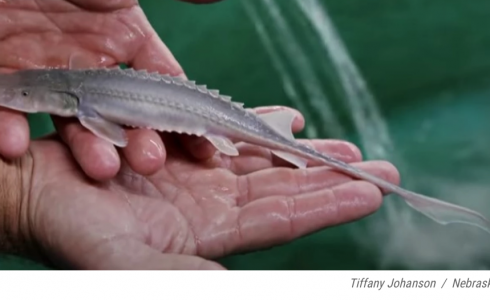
point(468, 283)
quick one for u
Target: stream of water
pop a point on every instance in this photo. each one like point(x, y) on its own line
point(399, 235)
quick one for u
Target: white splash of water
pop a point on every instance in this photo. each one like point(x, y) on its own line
point(296, 56)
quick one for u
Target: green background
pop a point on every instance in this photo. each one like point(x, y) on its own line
point(407, 80)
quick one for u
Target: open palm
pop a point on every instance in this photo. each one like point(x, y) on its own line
point(188, 211)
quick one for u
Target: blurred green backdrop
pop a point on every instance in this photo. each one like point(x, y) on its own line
point(406, 80)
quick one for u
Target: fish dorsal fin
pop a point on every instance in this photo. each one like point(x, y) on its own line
point(214, 93)
point(281, 121)
point(177, 80)
point(202, 88)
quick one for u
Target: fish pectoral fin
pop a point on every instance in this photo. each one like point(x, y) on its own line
point(104, 129)
point(293, 159)
point(222, 144)
point(281, 121)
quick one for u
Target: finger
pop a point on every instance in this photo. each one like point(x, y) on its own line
point(97, 157)
point(253, 158)
point(154, 56)
point(129, 254)
point(200, 148)
point(145, 152)
point(338, 149)
point(278, 219)
point(14, 134)
point(291, 182)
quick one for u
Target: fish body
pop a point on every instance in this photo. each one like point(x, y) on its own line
point(105, 100)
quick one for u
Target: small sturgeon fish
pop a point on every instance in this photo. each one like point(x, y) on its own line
point(105, 99)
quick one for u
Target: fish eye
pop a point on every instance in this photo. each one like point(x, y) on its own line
point(25, 93)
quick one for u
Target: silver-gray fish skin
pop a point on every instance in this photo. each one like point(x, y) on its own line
point(150, 100)
point(104, 99)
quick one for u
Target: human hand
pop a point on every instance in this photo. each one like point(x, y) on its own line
point(182, 216)
point(44, 34)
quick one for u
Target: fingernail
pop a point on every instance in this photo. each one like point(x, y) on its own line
point(155, 151)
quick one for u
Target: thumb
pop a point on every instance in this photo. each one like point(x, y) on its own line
point(135, 255)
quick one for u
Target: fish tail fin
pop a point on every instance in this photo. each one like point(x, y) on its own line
point(443, 212)
point(437, 210)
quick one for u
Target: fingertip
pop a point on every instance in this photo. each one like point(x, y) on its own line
point(100, 161)
point(388, 170)
point(298, 123)
point(349, 151)
point(395, 176)
point(14, 134)
point(145, 151)
point(14, 140)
